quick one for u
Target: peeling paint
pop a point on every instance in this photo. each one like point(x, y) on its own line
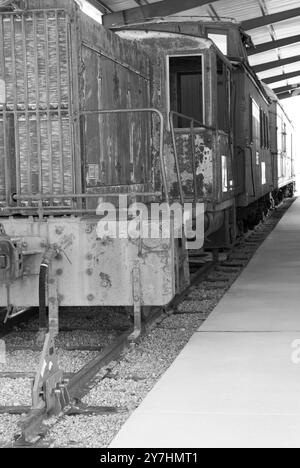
point(105, 280)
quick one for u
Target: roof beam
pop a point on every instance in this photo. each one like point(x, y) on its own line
point(276, 64)
point(100, 6)
point(284, 76)
point(141, 13)
point(288, 94)
point(274, 45)
point(270, 19)
point(284, 89)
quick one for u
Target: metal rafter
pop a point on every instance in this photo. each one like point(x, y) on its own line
point(275, 64)
point(274, 45)
point(270, 19)
point(289, 94)
point(100, 6)
point(282, 77)
point(283, 89)
point(162, 8)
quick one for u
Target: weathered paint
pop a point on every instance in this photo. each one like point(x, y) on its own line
point(55, 62)
point(249, 154)
point(203, 160)
point(85, 269)
point(210, 144)
point(282, 158)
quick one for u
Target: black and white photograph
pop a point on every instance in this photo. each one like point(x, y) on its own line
point(149, 227)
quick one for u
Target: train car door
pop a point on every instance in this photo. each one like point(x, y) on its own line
point(255, 129)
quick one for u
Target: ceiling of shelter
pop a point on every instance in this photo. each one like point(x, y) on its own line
point(274, 26)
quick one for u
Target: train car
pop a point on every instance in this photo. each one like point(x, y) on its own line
point(98, 125)
point(77, 129)
point(282, 148)
point(192, 88)
point(256, 177)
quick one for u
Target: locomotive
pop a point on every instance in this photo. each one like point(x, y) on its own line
point(161, 112)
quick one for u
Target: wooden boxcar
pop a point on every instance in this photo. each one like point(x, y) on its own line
point(62, 153)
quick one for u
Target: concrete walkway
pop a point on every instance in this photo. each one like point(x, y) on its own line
point(235, 384)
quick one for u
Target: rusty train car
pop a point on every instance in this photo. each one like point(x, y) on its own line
point(163, 112)
point(257, 158)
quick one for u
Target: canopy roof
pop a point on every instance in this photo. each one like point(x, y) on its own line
point(274, 26)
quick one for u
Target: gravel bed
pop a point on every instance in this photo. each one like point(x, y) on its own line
point(64, 339)
point(8, 428)
point(85, 431)
point(119, 392)
point(27, 360)
point(15, 392)
point(183, 322)
point(101, 318)
point(193, 306)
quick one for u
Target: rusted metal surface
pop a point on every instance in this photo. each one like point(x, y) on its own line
point(85, 271)
point(55, 62)
point(254, 165)
point(35, 117)
point(209, 144)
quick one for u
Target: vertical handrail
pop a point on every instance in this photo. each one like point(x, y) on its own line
point(176, 158)
point(194, 161)
point(192, 126)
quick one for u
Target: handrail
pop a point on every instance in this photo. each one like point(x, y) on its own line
point(192, 128)
point(161, 140)
point(40, 197)
point(190, 119)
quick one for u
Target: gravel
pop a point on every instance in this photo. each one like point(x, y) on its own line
point(27, 360)
point(85, 431)
point(15, 392)
point(183, 321)
point(119, 392)
point(8, 428)
point(75, 338)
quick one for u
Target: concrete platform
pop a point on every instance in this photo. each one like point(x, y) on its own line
point(235, 384)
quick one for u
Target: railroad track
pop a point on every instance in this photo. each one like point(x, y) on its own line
point(209, 284)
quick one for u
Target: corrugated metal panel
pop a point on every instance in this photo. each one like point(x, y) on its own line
point(286, 82)
point(276, 6)
point(34, 121)
point(287, 28)
point(117, 5)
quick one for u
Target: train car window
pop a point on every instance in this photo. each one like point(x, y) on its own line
point(186, 88)
point(267, 129)
point(255, 121)
point(262, 129)
point(221, 41)
point(263, 173)
point(284, 138)
point(223, 97)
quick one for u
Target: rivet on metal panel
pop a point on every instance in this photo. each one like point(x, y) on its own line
point(89, 272)
point(90, 297)
point(59, 231)
point(89, 256)
point(59, 272)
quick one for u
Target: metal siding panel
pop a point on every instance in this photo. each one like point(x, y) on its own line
point(36, 73)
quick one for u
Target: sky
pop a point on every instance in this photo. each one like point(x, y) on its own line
point(292, 107)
